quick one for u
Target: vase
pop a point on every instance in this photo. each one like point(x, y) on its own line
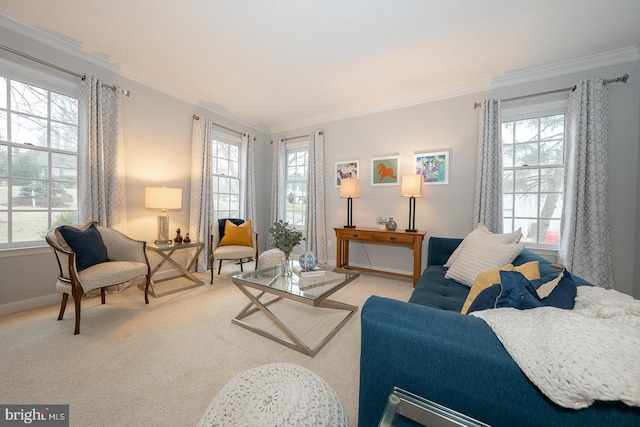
point(391, 224)
point(382, 226)
point(307, 261)
point(286, 266)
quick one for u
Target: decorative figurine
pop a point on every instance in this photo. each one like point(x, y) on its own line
point(187, 239)
point(178, 239)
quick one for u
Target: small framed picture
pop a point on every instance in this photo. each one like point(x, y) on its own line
point(384, 170)
point(434, 167)
point(346, 169)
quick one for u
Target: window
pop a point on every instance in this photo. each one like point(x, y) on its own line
point(297, 174)
point(226, 177)
point(533, 176)
point(38, 161)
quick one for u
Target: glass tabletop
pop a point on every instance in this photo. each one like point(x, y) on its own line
point(311, 288)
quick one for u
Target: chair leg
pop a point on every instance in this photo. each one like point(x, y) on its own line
point(63, 305)
point(146, 290)
point(76, 301)
point(241, 265)
point(219, 267)
point(102, 295)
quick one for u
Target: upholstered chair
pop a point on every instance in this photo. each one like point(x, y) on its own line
point(232, 239)
point(95, 257)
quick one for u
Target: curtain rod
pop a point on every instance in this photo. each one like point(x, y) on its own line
point(296, 137)
point(197, 117)
point(54, 66)
point(622, 79)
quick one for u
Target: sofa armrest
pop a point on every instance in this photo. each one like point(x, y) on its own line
point(456, 361)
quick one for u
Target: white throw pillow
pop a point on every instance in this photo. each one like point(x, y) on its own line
point(478, 255)
point(483, 232)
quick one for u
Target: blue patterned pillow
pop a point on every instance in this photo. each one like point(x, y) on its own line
point(87, 245)
point(518, 292)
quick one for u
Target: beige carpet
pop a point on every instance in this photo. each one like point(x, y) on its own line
point(162, 364)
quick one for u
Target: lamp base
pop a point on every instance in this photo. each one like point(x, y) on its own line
point(349, 226)
point(410, 231)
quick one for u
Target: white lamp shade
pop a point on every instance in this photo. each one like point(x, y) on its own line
point(412, 185)
point(162, 198)
point(350, 187)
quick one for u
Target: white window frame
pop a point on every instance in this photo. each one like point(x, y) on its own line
point(235, 141)
point(299, 146)
point(27, 75)
point(529, 112)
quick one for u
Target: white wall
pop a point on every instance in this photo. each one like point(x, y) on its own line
point(158, 148)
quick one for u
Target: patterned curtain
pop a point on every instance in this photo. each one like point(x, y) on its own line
point(250, 178)
point(487, 204)
point(101, 166)
point(201, 211)
point(316, 237)
point(277, 180)
point(585, 247)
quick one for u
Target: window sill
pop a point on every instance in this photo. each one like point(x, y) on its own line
point(26, 251)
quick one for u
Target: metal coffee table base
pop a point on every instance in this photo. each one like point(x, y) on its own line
point(294, 341)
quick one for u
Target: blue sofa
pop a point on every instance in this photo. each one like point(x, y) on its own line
point(427, 347)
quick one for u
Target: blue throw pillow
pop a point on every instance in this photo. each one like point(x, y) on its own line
point(563, 294)
point(485, 299)
point(517, 292)
point(87, 245)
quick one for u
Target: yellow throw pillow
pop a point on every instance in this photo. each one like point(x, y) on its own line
point(239, 235)
point(530, 270)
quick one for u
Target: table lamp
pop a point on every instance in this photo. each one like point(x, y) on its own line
point(163, 198)
point(349, 188)
point(412, 188)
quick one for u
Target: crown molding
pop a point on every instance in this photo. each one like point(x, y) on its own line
point(606, 59)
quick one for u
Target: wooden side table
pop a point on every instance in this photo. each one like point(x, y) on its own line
point(412, 240)
point(166, 253)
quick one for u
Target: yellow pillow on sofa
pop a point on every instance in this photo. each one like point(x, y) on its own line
point(530, 270)
point(239, 235)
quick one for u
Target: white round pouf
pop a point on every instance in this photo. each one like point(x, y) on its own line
point(270, 258)
point(279, 394)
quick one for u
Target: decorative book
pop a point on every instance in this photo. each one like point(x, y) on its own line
point(317, 271)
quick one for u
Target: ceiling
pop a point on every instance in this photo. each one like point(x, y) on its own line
point(284, 63)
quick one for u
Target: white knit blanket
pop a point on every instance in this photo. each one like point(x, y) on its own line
point(576, 356)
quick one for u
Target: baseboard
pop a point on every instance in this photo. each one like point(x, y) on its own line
point(54, 299)
point(30, 304)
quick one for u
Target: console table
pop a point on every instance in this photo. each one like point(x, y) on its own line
point(412, 240)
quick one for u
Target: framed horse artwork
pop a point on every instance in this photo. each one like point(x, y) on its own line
point(384, 170)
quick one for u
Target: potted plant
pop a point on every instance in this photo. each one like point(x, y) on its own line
point(382, 222)
point(285, 237)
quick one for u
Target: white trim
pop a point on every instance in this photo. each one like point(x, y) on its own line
point(30, 304)
point(24, 251)
point(534, 110)
point(24, 74)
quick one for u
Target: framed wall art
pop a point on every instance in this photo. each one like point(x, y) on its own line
point(346, 169)
point(384, 170)
point(434, 167)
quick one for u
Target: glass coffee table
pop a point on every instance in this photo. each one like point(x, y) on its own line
point(313, 291)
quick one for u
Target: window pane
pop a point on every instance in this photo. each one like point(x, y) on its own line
point(526, 154)
point(507, 181)
point(64, 108)
point(507, 156)
point(28, 99)
point(526, 180)
point(552, 152)
point(526, 205)
point(526, 130)
point(64, 218)
point(4, 134)
point(551, 205)
point(552, 127)
point(4, 166)
point(529, 229)
point(233, 169)
point(29, 226)
point(3, 92)
point(507, 205)
point(4, 194)
point(234, 153)
point(28, 130)
point(4, 225)
point(64, 137)
point(27, 163)
point(507, 133)
point(551, 233)
point(31, 195)
point(64, 195)
point(551, 179)
point(63, 167)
